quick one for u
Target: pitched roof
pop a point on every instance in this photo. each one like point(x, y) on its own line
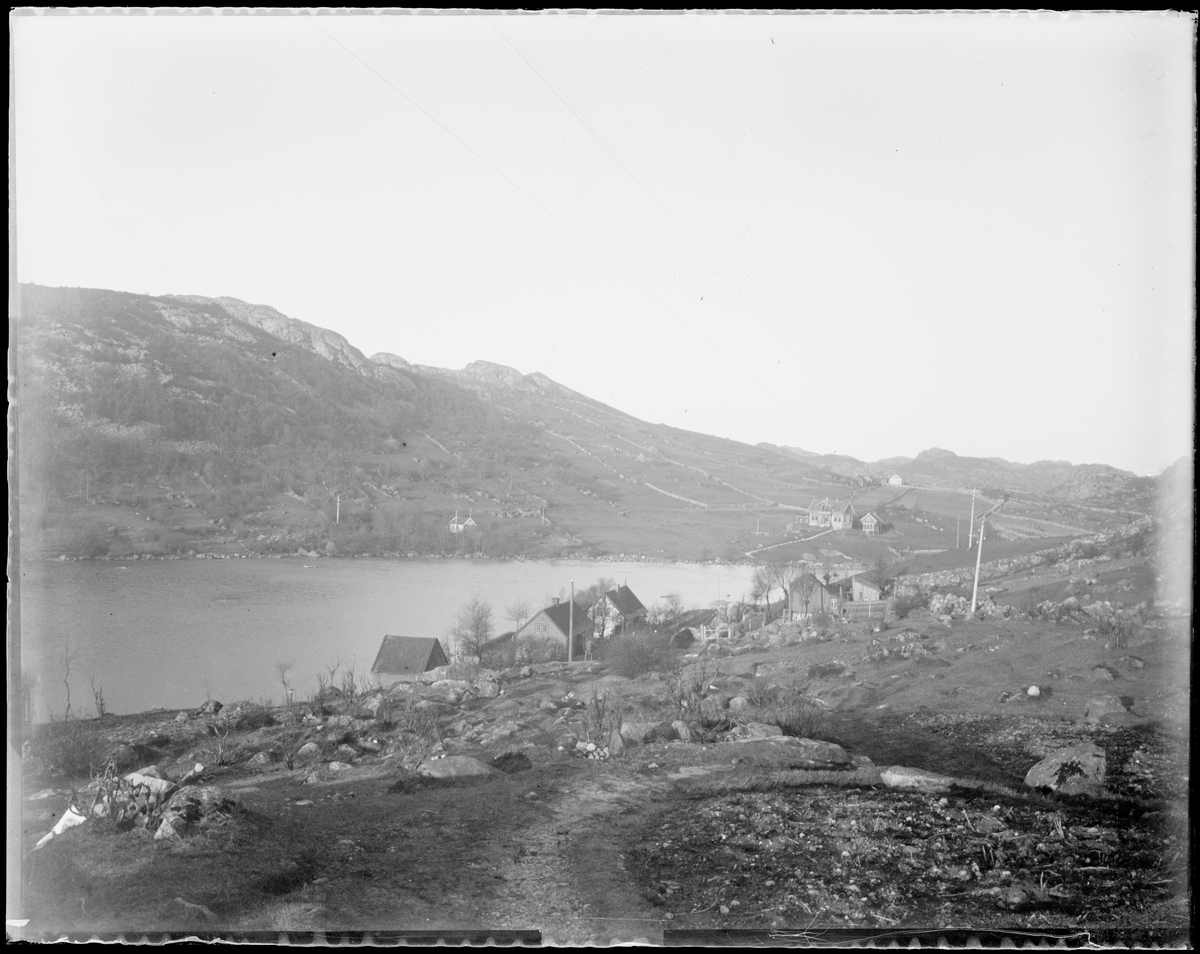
point(798, 581)
point(693, 618)
point(408, 655)
point(870, 516)
point(819, 505)
point(848, 505)
point(626, 603)
point(560, 616)
point(863, 581)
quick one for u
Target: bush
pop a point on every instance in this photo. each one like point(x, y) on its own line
point(795, 715)
point(72, 751)
point(602, 716)
point(905, 604)
point(686, 688)
point(634, 656)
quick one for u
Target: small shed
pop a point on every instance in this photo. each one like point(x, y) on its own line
point(864, 589)
point(403, 658)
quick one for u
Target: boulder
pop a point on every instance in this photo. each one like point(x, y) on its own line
point(1100, 706)
point(210, 708)
point(336, 766)
point(616, 744)
point(454, 766)
point(1075, 770)
point(661, 732)
point(634, 733)
point(200, 804)
point(738, 703)
point(816, 755)
point(1121, 718)
point(307, 753)
point(487, 688)
point(168, 829)
point(344, 753)
point(915, 779)
point(159, 787)
point(683, 731)
point(259, 760)
point(752, 731)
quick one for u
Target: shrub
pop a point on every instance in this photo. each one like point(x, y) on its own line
point(72, 751)
point(602, 715)
point(795, 715)
point(530, 652)
point(1029, 602)
point(761, 693)
point(1118, 630)
point(824, 670)
point(686, 688)
point(634, 656)
point(905, 604)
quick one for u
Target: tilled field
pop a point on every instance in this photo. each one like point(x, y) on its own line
point(829, 857)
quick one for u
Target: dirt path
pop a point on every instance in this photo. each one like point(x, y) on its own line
point(569, 880)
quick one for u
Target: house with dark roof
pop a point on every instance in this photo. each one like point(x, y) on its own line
point(809, 594)
point(554, 622)
point(403, 658)
point(628, 606)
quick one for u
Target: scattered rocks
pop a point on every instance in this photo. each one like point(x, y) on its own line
point(1076, 770)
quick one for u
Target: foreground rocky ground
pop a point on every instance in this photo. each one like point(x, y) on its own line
point(853, 779)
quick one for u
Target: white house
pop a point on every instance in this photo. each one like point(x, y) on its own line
point(895, 481)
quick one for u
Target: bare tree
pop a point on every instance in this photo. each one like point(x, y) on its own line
point(282, 669)
point(782, 576)
point(804, 588)
point(98, 696)
point(67, 653)
point(473, 627)
point(761, 585)
point(518, 613)
point(879, 573)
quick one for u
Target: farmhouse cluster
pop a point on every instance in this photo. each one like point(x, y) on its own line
point(562, 630)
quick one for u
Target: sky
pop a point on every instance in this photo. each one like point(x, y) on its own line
point(856, 234)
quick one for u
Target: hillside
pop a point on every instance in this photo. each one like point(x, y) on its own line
point(180, 424)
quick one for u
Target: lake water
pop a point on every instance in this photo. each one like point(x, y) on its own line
point(171, 633)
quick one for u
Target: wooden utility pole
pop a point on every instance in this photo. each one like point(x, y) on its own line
point(571, 626)
point(957, 537)
point(978, 561)
point(337, 518)
point(971, 528)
